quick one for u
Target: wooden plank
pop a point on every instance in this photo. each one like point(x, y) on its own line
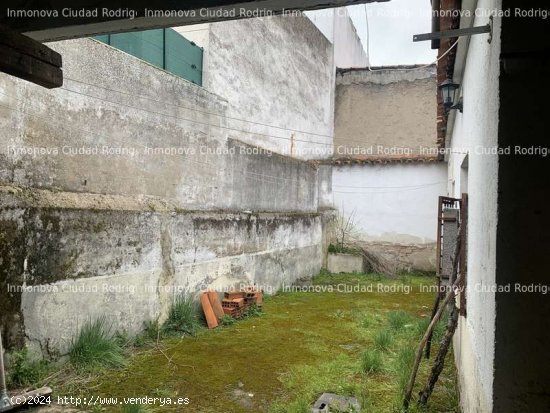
point(29, 68)
point(216, 304)
point(211, 319)
point(28, 46)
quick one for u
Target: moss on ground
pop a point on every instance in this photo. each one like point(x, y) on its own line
point(304, 344)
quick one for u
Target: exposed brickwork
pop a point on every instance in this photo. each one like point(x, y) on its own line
point(445, 66)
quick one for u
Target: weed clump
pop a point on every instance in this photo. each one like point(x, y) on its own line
point(227, 320)
point(182, 317)
point(383, 340)
point(24, 372)
point(94, 347)
point(398, 319)
point(371, 362)
point(252, 311)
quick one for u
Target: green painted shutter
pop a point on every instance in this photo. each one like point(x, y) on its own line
point(182, 57)
point(164, 48)
point(147, 45)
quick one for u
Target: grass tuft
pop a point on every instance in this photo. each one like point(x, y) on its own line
point(94, 347)
point(183, 317)
point(403, 366)
point(371, 362)
point(383, 340)
point(398, 319)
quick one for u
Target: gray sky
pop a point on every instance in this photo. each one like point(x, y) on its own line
point(391, 26)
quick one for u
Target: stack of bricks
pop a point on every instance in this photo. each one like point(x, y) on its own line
point(235, 304)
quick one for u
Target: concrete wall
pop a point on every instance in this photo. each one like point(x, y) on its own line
point(394, 208)
point(390, 108)
point(478, 127)
point(177, 202)
point(176, 148)
point(126, 262)
point(337, 26)
point(269, 70)
point(389, 115)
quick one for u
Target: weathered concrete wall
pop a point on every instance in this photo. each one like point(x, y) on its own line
point(131, 178)
point(144, 252)
point(347, 263)
point(337, 26)
point(277, 76)
point(394, 208)
point(478, 127)
point(171, 143)
point(390, 108)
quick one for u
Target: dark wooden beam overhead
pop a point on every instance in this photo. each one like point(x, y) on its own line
point(29, 59)
point(48, 20)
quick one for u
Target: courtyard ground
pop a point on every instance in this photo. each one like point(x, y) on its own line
point(354, 335)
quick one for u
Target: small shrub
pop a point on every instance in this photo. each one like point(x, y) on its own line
point(227, 320)
point(94, 347)
point(24, 372)
point(398, 319)
point(182, 317)
point(371, 362)
point(383, 340)
point(252, 311)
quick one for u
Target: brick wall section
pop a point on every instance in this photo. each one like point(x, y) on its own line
point(445, 66)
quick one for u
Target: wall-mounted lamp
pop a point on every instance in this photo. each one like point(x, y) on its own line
point(448, 90)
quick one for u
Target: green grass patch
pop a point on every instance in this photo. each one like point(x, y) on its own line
point(403, 366)
point(304, 344)
point(94, 347)
point(397, 320)
point(383, 339)
point(371, 362)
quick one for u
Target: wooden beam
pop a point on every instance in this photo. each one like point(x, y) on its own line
point(63, 19)
point(30, 60)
